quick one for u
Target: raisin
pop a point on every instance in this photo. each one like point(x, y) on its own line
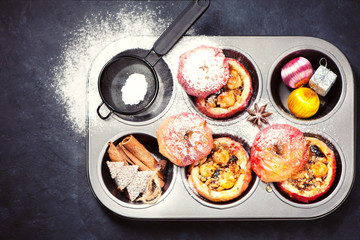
point(233, 159)
point(216, 173)
point(220, 92)
point(316, 150)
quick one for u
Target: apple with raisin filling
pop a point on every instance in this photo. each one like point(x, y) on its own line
point(232, 98)
point(317, 176)
point(224, 174)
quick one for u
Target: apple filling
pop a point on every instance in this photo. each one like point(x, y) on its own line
point(314, 172)
point(220, 171)
point(230, 93)
point(224, 174)
point(317, 176)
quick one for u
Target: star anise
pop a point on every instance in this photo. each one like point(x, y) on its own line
point(258, 116)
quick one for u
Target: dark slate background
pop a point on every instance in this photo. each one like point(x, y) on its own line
point(44, 193)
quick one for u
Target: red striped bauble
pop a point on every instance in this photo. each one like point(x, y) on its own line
point(297, 72)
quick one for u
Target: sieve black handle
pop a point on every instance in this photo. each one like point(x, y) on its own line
point(101, 116)
point(180, 25)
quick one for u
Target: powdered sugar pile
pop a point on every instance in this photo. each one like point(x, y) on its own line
point(94, 33)
point(134, 89)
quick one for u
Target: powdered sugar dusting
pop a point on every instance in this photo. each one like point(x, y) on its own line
point(114, 168)
point(84, 44)
point(188, 137)
point(138, 184)
point(203, 71)
point(125, 176)
point(278, 152)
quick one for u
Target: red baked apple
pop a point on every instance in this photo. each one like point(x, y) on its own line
point(184, 138)
point(203, 71)
point(232, 98)
point(278, 152)
point(316, 177)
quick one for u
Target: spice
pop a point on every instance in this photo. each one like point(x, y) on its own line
point(258, 115)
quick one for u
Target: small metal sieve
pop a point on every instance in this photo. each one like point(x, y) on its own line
point(116, 72)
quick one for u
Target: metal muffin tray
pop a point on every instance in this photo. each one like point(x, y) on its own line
point(263, 57)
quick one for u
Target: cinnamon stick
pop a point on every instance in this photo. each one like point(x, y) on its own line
point(139, 151)
point(123, 154)
point(134, 159)
point(142, 166)
point(115, 155)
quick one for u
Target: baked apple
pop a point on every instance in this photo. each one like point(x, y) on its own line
point(224, 174)
point(184, 138)
point(278, 152)
point(232, 98)
point(203, 71)
point(316, 177)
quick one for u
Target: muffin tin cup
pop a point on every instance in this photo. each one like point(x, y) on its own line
point(228, 204)
point(335, 187)
point(279, 92)
point(257, 84)
point(150, 143)
point(335, 123)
